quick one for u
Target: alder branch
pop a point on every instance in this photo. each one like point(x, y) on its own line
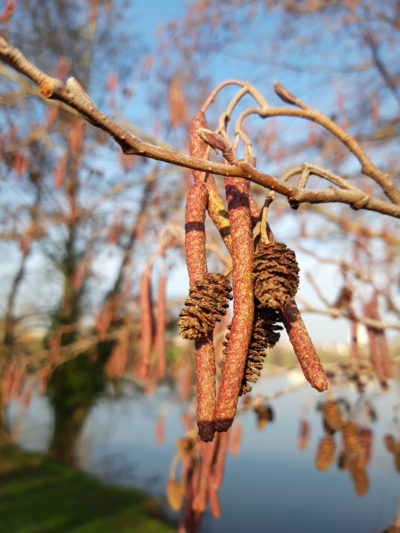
point(343, 313)
point(77, 99)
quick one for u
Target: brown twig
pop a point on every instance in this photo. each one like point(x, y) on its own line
point(54, 88)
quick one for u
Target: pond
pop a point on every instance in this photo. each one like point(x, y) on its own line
point(271, 481)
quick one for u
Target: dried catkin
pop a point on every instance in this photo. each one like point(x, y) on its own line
point(206, 305)
point(265, 335)
point(195, 249)
point(276, 275)
point(237, 194)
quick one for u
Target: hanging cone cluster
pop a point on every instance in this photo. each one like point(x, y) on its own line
point(205, 306)
point(325, 452)
point(265, 335)
point(332, 416)
point(276, 275)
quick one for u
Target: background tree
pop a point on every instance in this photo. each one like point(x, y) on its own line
point(70, 201)
point(371, 237)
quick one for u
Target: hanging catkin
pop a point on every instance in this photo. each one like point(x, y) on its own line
point(161, 317)
point(197, 147)
point(303, 347)
point(146, 320)
point(215, 205)
point(237, 194)
point(195, 248)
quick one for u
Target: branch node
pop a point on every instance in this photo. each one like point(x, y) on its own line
point(362, 202)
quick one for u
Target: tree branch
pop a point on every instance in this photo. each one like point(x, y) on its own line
point(53, 88)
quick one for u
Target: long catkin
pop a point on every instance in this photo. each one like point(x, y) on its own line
point(160, 324)
point(237, 193)
point(303, 347)
point(146, 320)
point(195, 248)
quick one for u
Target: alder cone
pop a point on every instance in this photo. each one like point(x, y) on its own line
point(265, 335)
point(276, 275)
point(205, 306)
point(325, 453)
point(332, 416)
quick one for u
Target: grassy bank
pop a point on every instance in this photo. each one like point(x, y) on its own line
point(38, 495)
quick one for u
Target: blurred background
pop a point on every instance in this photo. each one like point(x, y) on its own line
point(93, 373)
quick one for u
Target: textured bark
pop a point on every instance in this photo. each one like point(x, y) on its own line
point(303, 347)
point(195, 248)
point(237, 193)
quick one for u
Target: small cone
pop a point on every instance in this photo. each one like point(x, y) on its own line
point(265, 335)
point(276, 275)
point(205, 306)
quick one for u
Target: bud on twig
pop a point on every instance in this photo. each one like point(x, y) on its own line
point(284, 94)
point(218, 142)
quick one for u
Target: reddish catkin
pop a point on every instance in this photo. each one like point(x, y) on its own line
point(207, 454)
point(216, 208)
point(370, 311)
point(218, 468)
point(161, 317)
point(303, 347)
point(146, 320)
point(237, 193)
point(195, 248)
point(197, 147)
point(380, 338)
point(236, 438)
point(354, 347)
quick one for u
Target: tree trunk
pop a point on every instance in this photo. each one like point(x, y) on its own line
point(73, 389)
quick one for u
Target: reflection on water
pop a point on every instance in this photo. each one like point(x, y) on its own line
point(307, 462)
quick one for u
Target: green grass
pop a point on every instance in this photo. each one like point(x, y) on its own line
point(39, 495)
